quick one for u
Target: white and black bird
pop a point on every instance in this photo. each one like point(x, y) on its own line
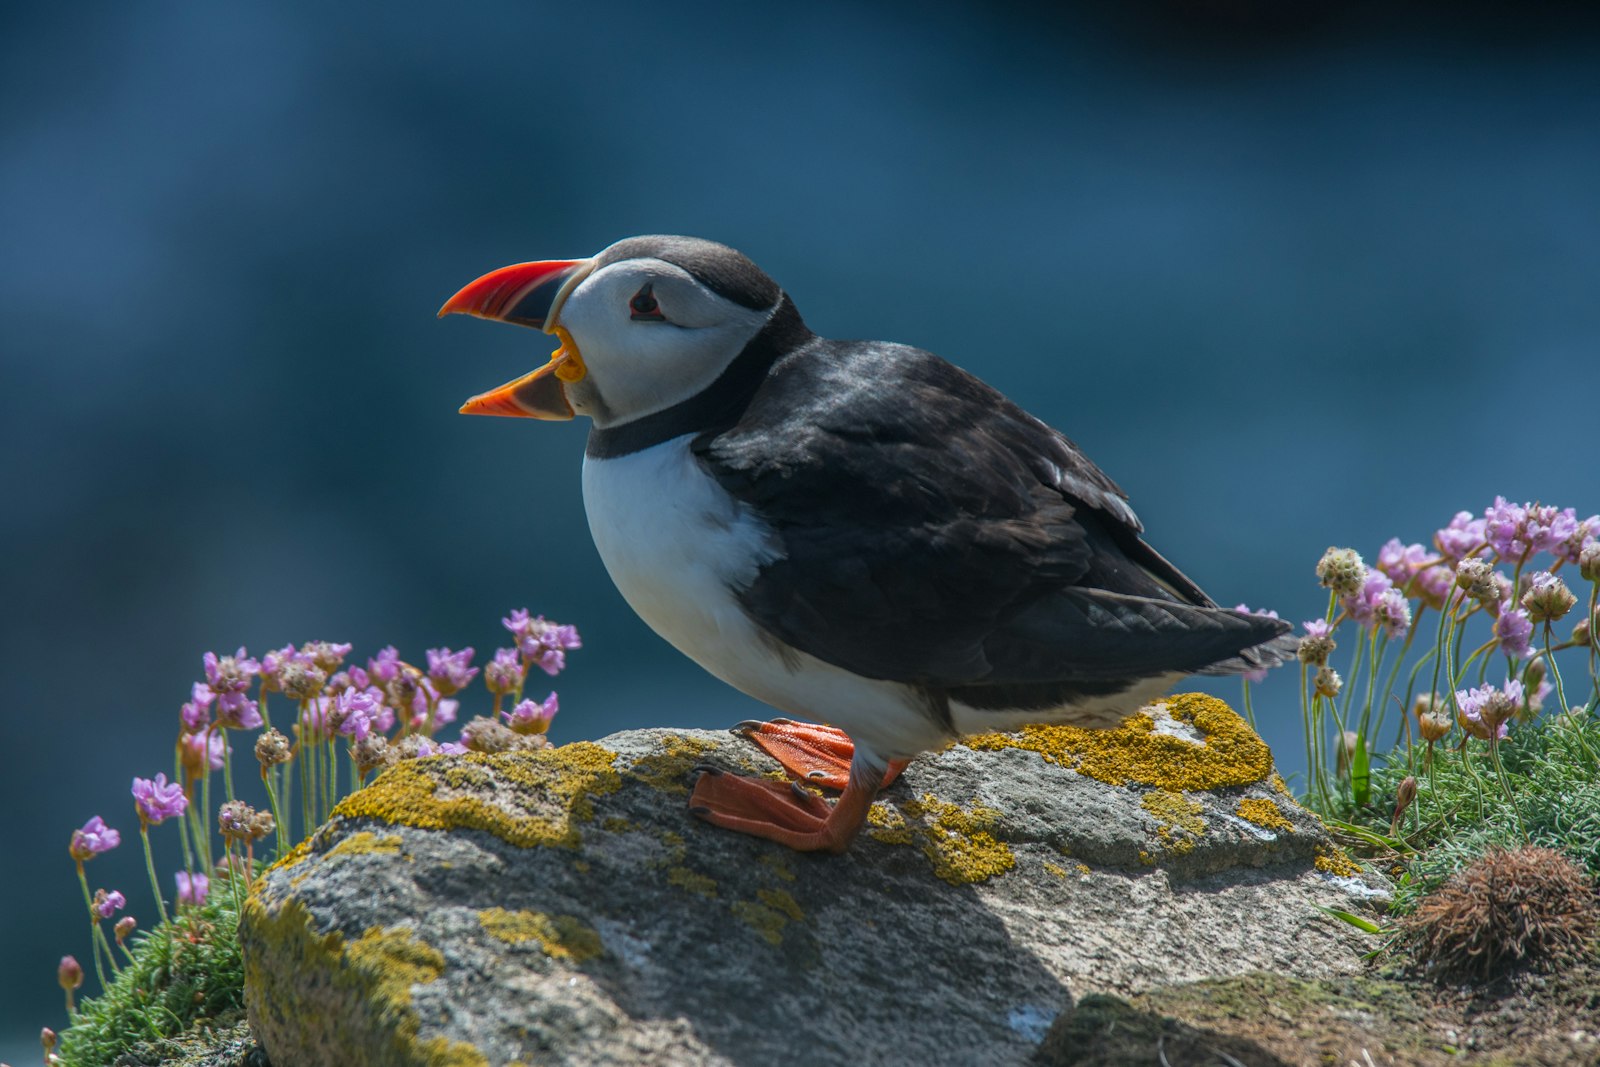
point(857, 533)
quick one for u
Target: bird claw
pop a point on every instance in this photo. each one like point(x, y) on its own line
point(706, 768)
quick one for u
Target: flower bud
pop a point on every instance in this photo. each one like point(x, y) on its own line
point(233, 820)
point(69, 973)
point(1402, 800)
point(1341, 570)
point(47, 1038)
point(1548, 598)
point(124, 927)
point(1581, 632)
point(1327, 682)
point(272, 748)
point(1589, 562)
point(1498, 707)
point(261, 824)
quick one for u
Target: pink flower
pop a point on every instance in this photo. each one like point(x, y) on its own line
point(1514, 630)
point(157, 800)
point(1399, 561)
point(1463, 537)
point(229, 674)
point(1361, 606)
point(450, 671)
point(108, 904)
point(533, 717)
point(192, 888)
point(235, 711)
point(95, 837)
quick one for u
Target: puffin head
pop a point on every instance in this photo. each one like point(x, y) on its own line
point(645, 324)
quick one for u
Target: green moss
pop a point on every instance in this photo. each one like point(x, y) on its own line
point(543, 795)
point(1134, 753)
point(563, 937)
point(669, 771)
point(1179, 820)
point(693, 881)
point(1264, 813)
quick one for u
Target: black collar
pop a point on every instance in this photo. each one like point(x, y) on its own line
point(717, 406)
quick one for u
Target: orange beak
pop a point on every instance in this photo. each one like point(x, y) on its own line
point(527, 294)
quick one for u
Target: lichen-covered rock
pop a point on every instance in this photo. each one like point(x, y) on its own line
point(562, 906)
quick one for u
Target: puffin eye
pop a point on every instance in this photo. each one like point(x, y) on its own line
point(644, 307)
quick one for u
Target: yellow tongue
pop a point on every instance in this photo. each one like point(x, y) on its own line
point(569, 363)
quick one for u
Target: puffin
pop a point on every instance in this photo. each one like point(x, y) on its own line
point(863, 536)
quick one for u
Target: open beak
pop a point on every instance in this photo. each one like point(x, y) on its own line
point(527, 294)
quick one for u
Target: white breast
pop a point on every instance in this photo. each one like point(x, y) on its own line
point(679, 547)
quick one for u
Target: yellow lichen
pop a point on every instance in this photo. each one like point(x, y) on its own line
point(365, 842)
point(318, 986)
point(888, 825)
point(768, 922)
point(395, 961)
point(1134, 752)
point(1264, 813)
point(1082, 869)
point(563, 937)
point(1332, 859)
point(958, 842)
point(1281, 786)
point(581, 866)
point(1059, 872)
point(539, 797)
point(299, 852)
point(616, 824)
point(669, 770)
point(779, 900)
point(693, 881)
point(1178, 819)
point(777, 864)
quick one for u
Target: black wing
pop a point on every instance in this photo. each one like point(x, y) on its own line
point(936, 534)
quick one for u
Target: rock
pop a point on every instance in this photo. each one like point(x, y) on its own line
point(563, 907)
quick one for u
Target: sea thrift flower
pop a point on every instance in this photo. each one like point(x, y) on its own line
point(1463, 537)
point(385, 666)
point(542, 642)
point(198, 752)
point(444, 709)
point(531, 716)
point(272, 748)
point(157, 800)
point(107, 904)
point(1486, 709)
point(1341, 570)
point(1514, 630)
point(196, 714)
point(1433, 725)
point(1477, 577)
point(192, 888)
point(234, 820)
point(449, 671)
point(1362, 604)
point(326, 655)
point(353, 711)
point(370, 753)
point(452, 748)
point(413, 746)
point(1318, 644)
point(1327, 682)
point(95, 837)
point(1433, 585)
point(1399, 561)
point(302, 680)
point(235, 711)
point(1586, 534)
point(47, 1038)
point(124, 927)
point(1548, 598)
point(273, 663)
point(504, 674)
point(1391, 613)
point(485, 735)
point(229, 674)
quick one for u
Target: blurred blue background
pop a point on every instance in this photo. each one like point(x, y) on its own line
point(1295, 275)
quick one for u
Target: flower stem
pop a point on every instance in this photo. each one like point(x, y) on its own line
point(94, 927)
point(1505, 784)
point(150, 865)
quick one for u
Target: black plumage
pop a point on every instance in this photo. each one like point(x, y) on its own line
point(933, 533)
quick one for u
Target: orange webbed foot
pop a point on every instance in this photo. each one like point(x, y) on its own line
point(784, 812)
point(814, 754)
